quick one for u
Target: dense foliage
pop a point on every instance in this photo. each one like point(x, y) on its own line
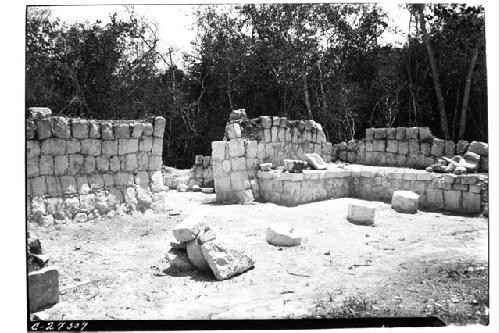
point(319, 61)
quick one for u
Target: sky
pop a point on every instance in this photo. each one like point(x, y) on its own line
point(176, 23)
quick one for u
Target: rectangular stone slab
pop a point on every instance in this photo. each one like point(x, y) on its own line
point(43, 288)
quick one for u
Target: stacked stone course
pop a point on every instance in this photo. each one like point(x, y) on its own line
point(413, 147)
point(78, 169)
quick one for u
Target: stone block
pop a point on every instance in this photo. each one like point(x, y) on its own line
point(435, 198)
point(236, 148)
point(147, 129)
point(94, 130)
point(238, 114)
point(114, 164)
point(461, 147)
point(233, 131)
point(68, 184)
point(89, 164)
point(128, 146)
point(136, 130)
point(425, 134)
point(471, 202)
point(379, 145)
point(159, 127)
point(75, 164)
point(405, 202)
point(108, 180)
point(449, 147)
point(218, 150)
point(484, 164)
point(413, 146)
point(379, 133)
point(107, 131)
point(109, 148)
point(425, 148)
point(46, 165)
point(368, 146)
point(274, 134)
point(30, 129)
point(122, 131)
point(268, 135)
point(91, 147)
point(157, 184)
point(403, 147)
point(227, 259)
point(32, 148)
point(266, 121)
point(369, 134)
point(146, 144)
point(96, 181)
point(412, 132)
point(61, 164)
point(238, 164)
point(480, 148)
point(155, 162)
point(392, 146)
point(452, 200)
point(189, 229)
point(43, 129)
point(102, 163)
point(157, 148)
point(391, 133)
point(123, 179)
point(72, 147)
point(238, 179)
point(437, 148)
point(38, 186)
point(361, 213)
point(400, 133)
point(32, 169)
point(54, 147)
point(80, 128)
point(60, 127)
point(43, 288)
point(282, 234)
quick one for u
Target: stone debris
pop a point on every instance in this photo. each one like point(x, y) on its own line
point(405, 202)
point(282, 234)
point(294, 166)
point(266, 166)
point(361, 213)
point(458, 165)
point(227, 258)
point(315, 161)
point(43, 288)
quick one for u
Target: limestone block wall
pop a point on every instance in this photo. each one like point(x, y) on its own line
point(413, 147)
point(202, 171)
point(438, 192)
point(80, 169)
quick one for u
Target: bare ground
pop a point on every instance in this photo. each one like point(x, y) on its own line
point(406, 265)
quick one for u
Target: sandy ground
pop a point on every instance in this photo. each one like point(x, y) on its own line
point(105, 265)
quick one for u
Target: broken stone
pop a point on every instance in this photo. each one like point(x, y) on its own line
point(460, 170)
point(315, 161)
point(227, 258)
point(405, 202)
point(282, 234)
point(195, 188)
point(361, 213)
point(480, 148)
point(81, 217)
point(266, 166)
point(195, 255)
point(237, 115)
point(233, 131)
point(43, 288)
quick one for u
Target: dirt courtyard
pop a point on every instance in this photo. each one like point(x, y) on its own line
point(406, 265)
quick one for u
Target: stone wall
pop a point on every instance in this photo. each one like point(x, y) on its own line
point(80, 169)
point(438, 192)
point(202, 171)
point(413, 147)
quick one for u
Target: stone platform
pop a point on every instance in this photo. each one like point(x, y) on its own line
point(464, 194)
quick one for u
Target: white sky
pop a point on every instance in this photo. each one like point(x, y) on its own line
point(177, 22)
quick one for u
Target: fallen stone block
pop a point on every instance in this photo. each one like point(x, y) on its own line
point(282, 234)
point(294, 166)
point(405, 202)
point(227, 258)
point(196, 188)
point(315, 161)
point(43, 288)
point(361, 213)
point(188, 229)
point(480, 148)
point(195, 255)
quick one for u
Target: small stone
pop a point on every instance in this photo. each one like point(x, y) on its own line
point(282, 234)
point(315, 161)
point(195, 188)
point(405, 202)
point(182, 188)
point(460, 170)
point(43, 288)
point(81, 217)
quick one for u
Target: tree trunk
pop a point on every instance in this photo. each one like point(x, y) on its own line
point(228, 90)
point(468, 82)
point(435, 74)
point(322, 90)
point(306, 94)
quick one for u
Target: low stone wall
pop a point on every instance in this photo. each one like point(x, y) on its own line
point(438, 192)
point(413, 147)
point(80, 169)
point(202, 171)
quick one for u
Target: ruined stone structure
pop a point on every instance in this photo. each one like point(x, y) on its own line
point(248, 143)
point(80, 169)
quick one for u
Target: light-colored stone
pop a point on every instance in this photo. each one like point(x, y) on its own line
point(195, 255)
point(94, 130)
point(182, 188)
point(188, 229)
point(266, 166)
point(43, 129)
point(157, 146)
point(159, 127)
point(207, 190)
point(282, 234)
point(146, 144)
point(54, 147)
point(227, 258)
point(405, 202)
point(315, 161)
point(480, 148)
point(361, 213)
point(91, 147)
point(60, 165)
point(107, 131)
point(46, 165)
point(128, 146)
point(461, 147)
point(155, 162)
point(80, 129)
point(233, 131)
